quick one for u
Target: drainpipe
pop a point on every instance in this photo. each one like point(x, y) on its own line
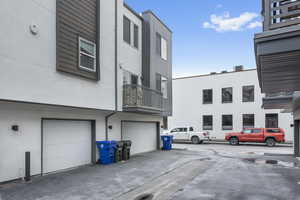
point(116, 55)
point(106, 124)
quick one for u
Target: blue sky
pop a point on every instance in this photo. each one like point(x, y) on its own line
point(208, 35)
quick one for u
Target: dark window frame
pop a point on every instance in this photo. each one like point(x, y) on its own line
point(247, 124)
point(248, 97)
point(158, 78)
point(207, 125)
point(136, 32)
point(204, 95)
point(158, 44)
point(126, 38)
point(224, 93)
point(226, 126)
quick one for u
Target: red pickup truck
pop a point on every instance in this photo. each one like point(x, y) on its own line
point(270, 136)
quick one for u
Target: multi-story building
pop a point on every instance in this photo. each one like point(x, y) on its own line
point(277, 51)
point(224, 102)
point(75, 72)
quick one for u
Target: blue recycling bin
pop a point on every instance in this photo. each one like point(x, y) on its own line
point(106, 151)
point(167, 142)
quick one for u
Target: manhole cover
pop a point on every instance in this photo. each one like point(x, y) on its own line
point(145, 197)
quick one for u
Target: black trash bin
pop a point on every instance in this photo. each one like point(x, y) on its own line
point(119, 151)
point(126, 149)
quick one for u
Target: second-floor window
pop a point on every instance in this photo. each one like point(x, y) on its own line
point(248, 121)
point(248, 93)
point(227, 95)
point(207, 122)
point(126, 30)
point(136, 36)
point(161, 47)
point(227, 123)
point(207, 96)
point(87, 55)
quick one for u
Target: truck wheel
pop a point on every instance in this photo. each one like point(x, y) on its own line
point(270, 142)
point(195, 140)
point(234, 141)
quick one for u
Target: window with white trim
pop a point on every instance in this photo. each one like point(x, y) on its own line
point(161, 47)
point(87, 55)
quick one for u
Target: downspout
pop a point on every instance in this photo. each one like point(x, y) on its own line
point(116, 55)
point(116, 71)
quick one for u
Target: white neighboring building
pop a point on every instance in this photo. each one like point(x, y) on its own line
point(198, 102)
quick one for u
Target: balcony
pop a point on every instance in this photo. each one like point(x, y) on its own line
point(140, 99)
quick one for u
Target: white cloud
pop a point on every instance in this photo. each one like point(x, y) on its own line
point(219, 6)
point(254, 25)
point(225, 22)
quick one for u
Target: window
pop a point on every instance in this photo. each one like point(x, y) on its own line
point(256, 131)
point(227, 95)
point(271, 120)
point(207, 96)
point(136, 36)
point(191, 129)
point(158, 82)
point(227, 122)
point(161, 46)
point(130, 78)
point(87, 55)
point(248, 93)
point(179, 130)
point(247, 131)
point(248, 121)
point(207, 122)
point(164, 87)
point(273, 130)
point(126, 30)
point(134, 79)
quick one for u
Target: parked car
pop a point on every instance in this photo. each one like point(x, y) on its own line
point(270, 136)
point(188, 134)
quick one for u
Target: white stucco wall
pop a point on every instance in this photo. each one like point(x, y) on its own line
point(28, 62)
point(28, 138)
point(189, 109)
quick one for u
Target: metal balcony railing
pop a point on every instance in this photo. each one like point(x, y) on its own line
point(139, 98)
point(280, 13)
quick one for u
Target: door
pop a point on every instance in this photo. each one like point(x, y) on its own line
point(66, 144)
point(256, 135)
point(180, 133)
point(143, 136)
point(271, 120)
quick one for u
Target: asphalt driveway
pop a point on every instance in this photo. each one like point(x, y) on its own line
point(199, 173)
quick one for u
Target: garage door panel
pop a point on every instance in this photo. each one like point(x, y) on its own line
point(143, 136)
point(66, 144)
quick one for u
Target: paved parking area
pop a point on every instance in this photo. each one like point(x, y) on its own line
point(202, 172)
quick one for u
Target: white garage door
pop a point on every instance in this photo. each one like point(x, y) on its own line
point(142, 135)
point(66, 144)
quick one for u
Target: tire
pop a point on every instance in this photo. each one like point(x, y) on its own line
point(195, 140)
point(234, 141)
point(270, 142)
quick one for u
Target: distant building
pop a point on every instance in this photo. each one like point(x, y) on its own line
point(224, 102)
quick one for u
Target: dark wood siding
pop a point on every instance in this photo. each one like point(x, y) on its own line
point(280, 72)
point(74, 19)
